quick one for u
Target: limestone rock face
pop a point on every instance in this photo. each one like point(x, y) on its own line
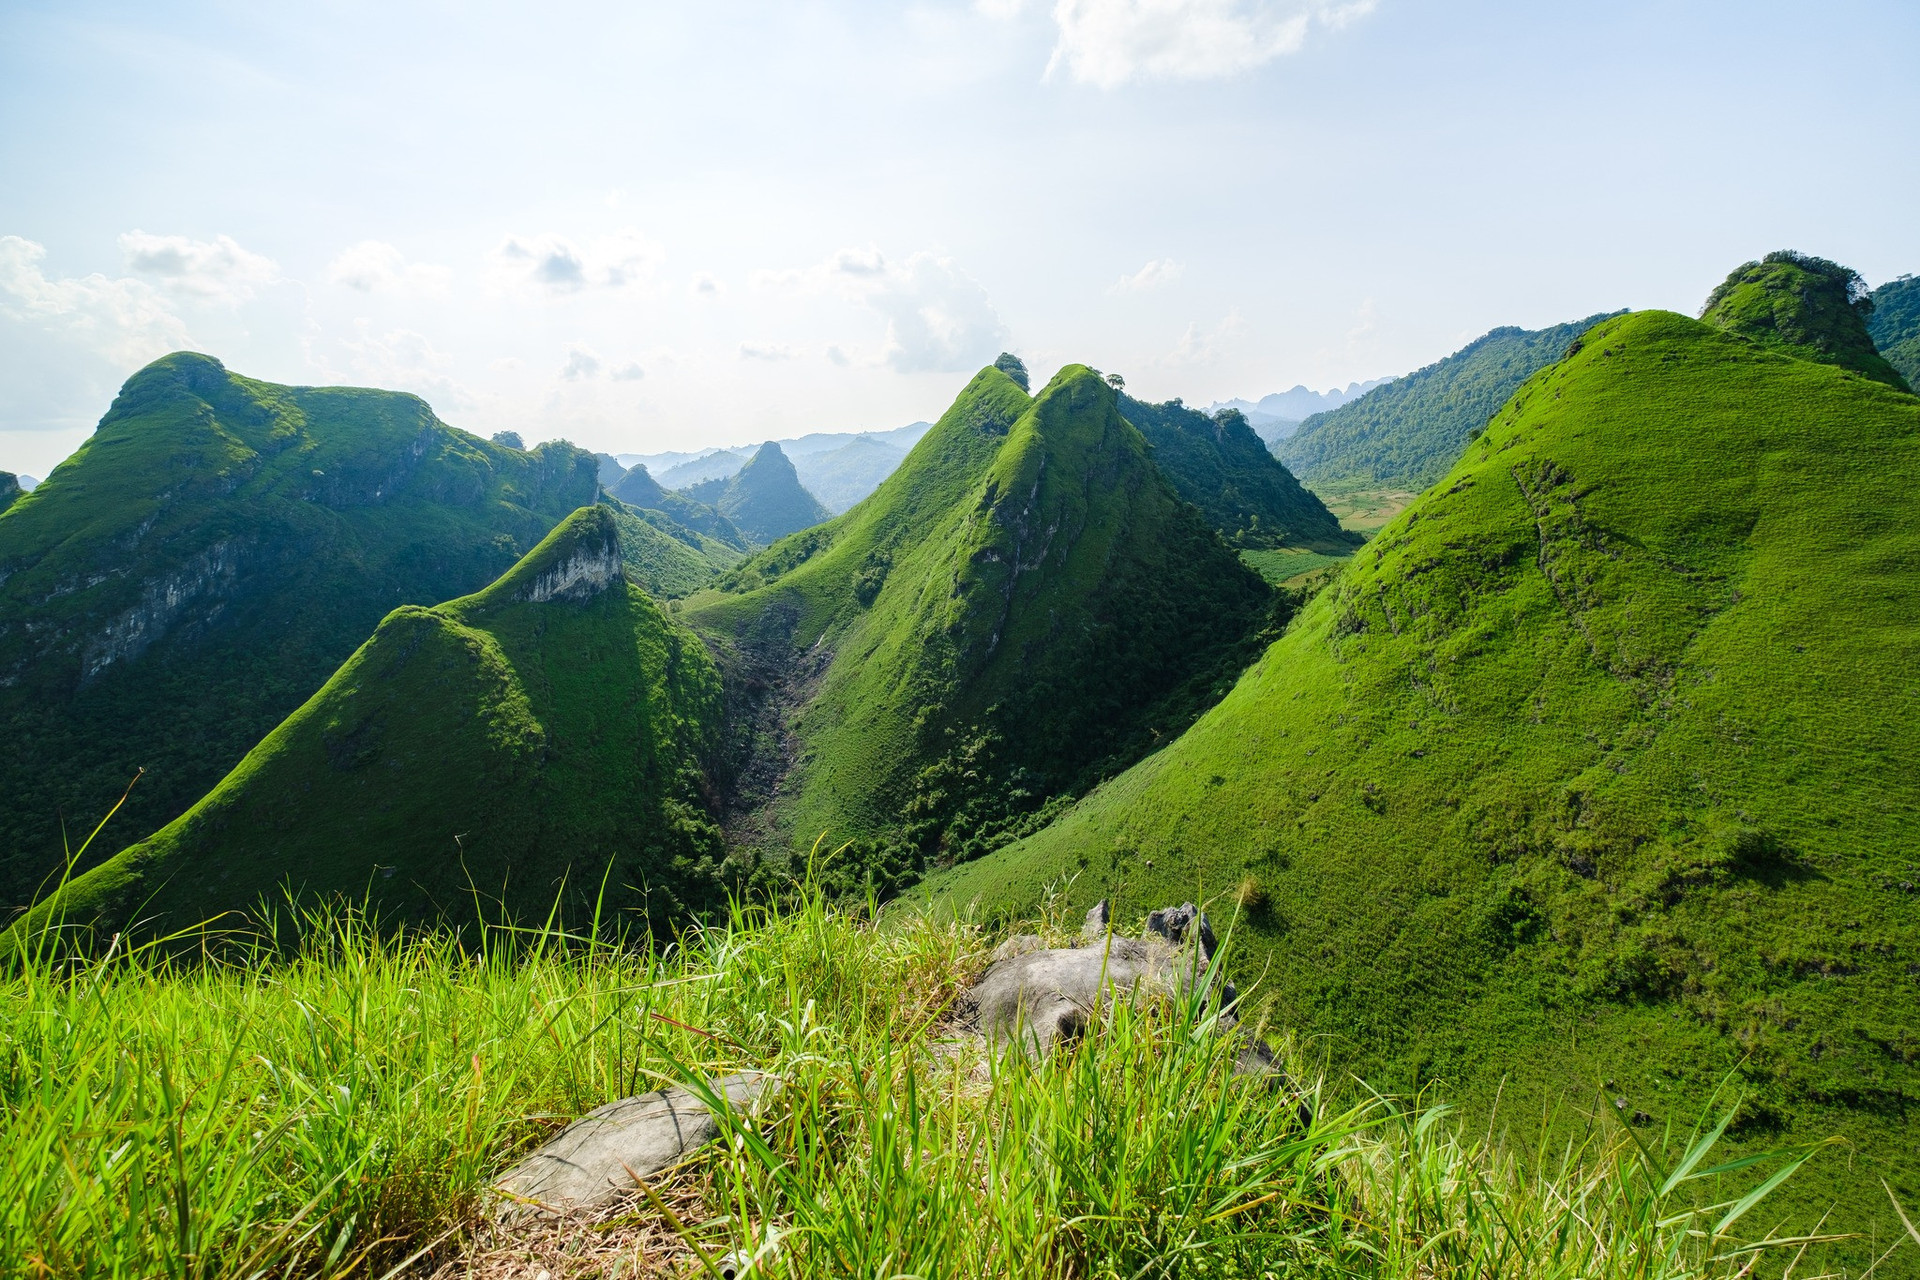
point(604, 1153)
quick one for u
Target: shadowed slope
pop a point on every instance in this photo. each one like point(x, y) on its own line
point(548, 731)
point(1598, 764)
point(1219, 465)
point(1023, 605)
point(200, 565)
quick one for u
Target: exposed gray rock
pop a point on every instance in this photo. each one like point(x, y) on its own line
point(1037, 997)
point(602, 1154)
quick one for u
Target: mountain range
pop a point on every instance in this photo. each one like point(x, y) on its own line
point(1593, 770)
point(202, 564)
point(1596, 766)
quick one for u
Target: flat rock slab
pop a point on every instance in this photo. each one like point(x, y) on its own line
point(599, 1157)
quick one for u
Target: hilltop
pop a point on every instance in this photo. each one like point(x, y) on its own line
point(1895, 326)
point(765, 498)
point(1025, 604)
point(1597, 764)
point(1405, 434)
point(206, 559)
point(550, 732)
point(1815, 308)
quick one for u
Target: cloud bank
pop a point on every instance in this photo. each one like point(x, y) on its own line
point(1111, 42)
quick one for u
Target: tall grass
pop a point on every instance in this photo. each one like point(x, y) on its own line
point(339, 1109)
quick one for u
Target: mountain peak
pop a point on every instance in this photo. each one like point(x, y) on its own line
point(579, 560)
point(1805, 306)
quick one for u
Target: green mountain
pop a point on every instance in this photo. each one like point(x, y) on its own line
point(205, 560)
point(764, 498)
point(1597, 765)
point(637, 489)
point(1895, 326)
point(10, 489)
point(664, 557)
point(1405, 435)
point(1217, 463)
point(547, 733)
point(1024, 605)
point(1807, 305)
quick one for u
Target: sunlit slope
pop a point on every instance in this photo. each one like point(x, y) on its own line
point(1024, 602)
point(202, 564)
point(551, 727)
point(1599, 763)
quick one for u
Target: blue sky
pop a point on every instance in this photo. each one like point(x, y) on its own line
point(645, 227)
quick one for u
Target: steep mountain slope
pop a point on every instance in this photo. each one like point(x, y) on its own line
point(1895, 326)
point(765, 498)
point(202, 564)
point(1218, 464)
point(547, 732)
point(1405, 435)
point(1804, 304)
point(1599, 764)
point(841, 477)
point(636, 488)
point(10, 489)
point(1025, 604)
point(663, 557)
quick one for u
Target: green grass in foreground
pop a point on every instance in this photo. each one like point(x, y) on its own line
point(340, 1109)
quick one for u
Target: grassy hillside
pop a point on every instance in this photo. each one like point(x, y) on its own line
point(1597, 765)
point(1813, 307)
point(1895, 326)
point(663, 556)
point(1220, 466)
point(1405, 435)
point(545, 731)
point(206, 559)
point(1023, 605)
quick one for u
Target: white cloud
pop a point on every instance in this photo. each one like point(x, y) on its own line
point(1109, 42)
point(218, 268)
point(858, 262)
point(123, 320)
point(374, 266)
point(403, 359)
point(766, 351)
point(553, 264)
point(1203, 346)
point(581, 365)
point(704, 285)
point(838, 356)
point(939, 319)
point(1156, 273)
point(628, 372)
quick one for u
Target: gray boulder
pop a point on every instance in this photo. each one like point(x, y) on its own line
point(1038, 997)
point(604, 1153)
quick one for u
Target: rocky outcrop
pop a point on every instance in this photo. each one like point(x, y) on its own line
point(1040, 997)
point(604, 1154)
point(589, 569)
point(203, 581)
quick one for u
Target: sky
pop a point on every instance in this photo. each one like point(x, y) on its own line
point(647, 227)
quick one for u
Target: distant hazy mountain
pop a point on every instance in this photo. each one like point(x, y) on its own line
point(717, 465)
point(765, 499)
point(720, 463)
point(1297, 405)
point(842, 476)
point(26, 482)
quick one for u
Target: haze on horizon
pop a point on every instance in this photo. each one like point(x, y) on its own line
point(649, 227)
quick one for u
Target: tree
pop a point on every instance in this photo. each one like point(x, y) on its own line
point(1014, 368)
